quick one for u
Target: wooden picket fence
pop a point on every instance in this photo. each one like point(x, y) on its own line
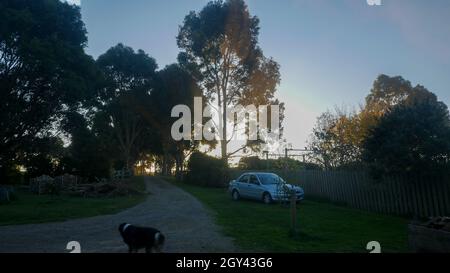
point(396, 196)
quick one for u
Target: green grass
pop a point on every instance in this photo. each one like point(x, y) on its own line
point(31, 208)
point(323, 227)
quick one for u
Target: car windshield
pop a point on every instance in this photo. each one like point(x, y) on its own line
point(270, 178)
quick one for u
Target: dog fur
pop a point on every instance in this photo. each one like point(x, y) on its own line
point(136, 238)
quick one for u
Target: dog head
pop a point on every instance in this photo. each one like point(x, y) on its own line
point(159, 242)
point(123, 226)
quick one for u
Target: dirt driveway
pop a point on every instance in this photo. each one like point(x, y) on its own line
point(187, 224)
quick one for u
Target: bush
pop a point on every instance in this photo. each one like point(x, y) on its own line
point(413, 139)
point(207, 171)
point(255, 163)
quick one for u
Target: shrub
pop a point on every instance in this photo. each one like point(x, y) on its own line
point(207, 171)
point(255, 163)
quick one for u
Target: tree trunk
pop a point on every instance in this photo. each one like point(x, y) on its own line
point(223, 146)
point(223, 142)
point(164, 164)
point(127, 160)
point(178, 163)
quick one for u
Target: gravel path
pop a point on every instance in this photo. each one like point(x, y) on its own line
point(186, 223)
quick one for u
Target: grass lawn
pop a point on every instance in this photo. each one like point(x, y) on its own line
point(323, 227)
point(31, 208)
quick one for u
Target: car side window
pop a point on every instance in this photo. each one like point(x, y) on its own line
point(243, 179)
point(254, 180)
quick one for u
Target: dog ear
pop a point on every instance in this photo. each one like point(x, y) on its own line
point(161, 239)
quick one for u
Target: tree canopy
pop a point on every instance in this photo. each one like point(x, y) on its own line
point(413, 139)
point(220, 49)
point(401, 130)
point(43, 71)
point(129, 82)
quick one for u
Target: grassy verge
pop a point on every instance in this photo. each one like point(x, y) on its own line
point(31, 208)
point(323, 227)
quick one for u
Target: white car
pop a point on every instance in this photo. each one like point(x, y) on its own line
point(267, 187)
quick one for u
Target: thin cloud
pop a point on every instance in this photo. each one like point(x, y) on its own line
point(423, 25)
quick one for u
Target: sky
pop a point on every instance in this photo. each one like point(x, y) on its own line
point(329, 51)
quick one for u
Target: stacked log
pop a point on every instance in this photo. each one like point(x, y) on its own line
point(103, 189)
point(70, 185)
point(440, 223)
point(432, 236)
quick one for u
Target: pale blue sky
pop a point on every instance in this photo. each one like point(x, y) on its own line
point(330, 51)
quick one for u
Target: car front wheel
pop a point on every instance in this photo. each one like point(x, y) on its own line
point(236, 196)
point(267, 199)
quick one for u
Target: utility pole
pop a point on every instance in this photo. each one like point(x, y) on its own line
point(292, 197)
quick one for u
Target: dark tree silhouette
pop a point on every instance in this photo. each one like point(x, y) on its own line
point(412, 139)
point(88, 155)
point(175, 86)
point(130, 79)
point(43, 71)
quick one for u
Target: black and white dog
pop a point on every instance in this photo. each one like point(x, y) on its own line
point(151, 239)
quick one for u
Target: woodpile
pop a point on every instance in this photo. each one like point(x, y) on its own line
point(441, 223)
point(75, 186)
point(432, 236)
point(48, 185)
point(103, 189)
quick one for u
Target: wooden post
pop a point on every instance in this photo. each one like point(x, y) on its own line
point(293, 198)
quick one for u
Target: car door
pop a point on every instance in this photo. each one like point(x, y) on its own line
point(242, 185)
point(255, 190)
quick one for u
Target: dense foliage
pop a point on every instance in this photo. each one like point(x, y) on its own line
point(43, 73)
point(401, 130)
point(255, 163)
point(413, 139)
point(204, 170)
